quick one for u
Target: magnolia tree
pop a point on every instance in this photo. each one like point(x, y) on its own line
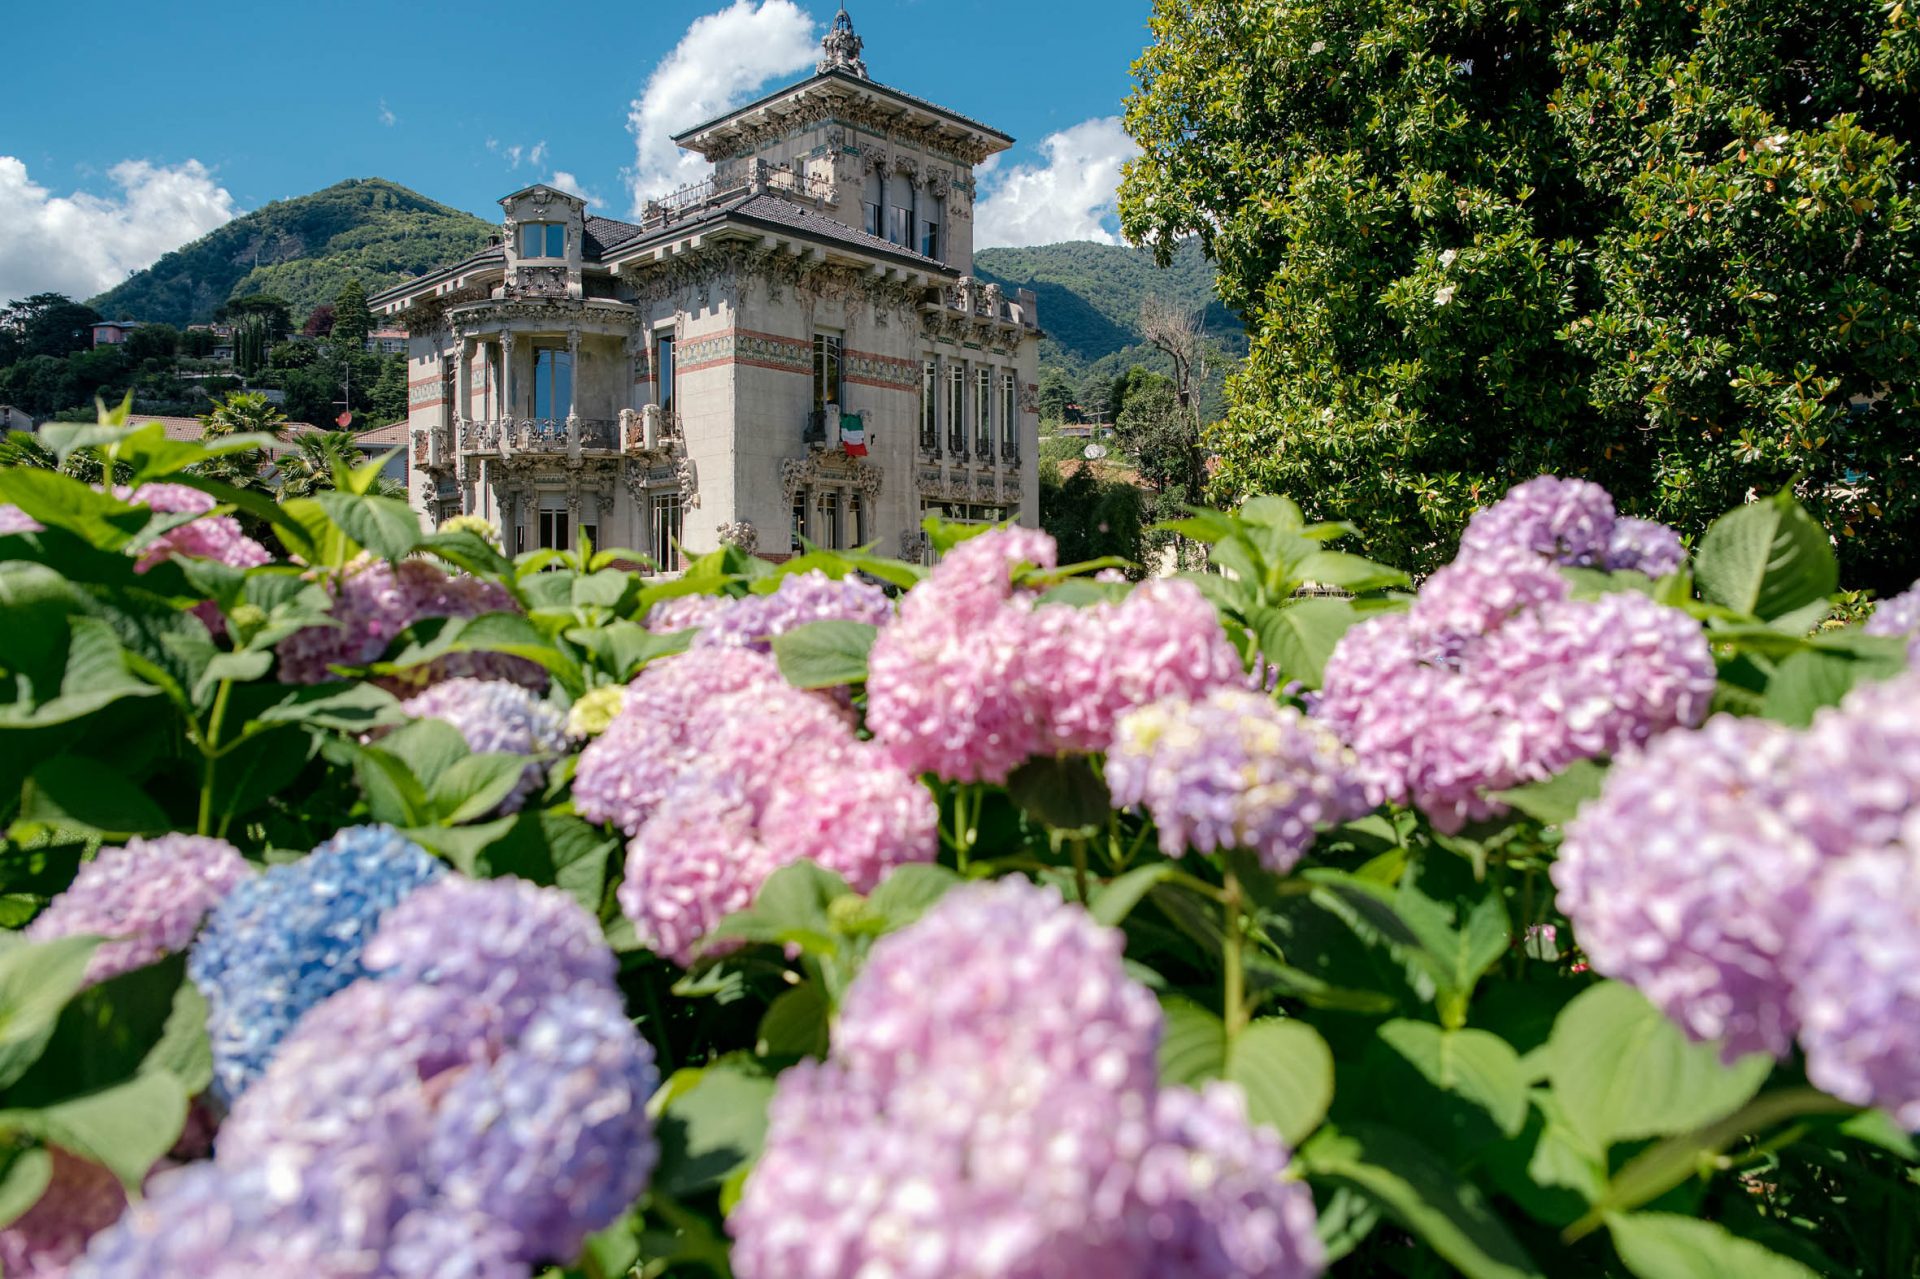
point(384, 906)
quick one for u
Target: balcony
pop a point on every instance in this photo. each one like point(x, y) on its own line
point(539, 435)
point(755, 177)
point(989, 301)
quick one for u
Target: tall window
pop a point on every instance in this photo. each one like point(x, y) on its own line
point(1010, 416)
point(664, 520)
point(543, 239)
point(663, 370)
point(552, 382)
point(929, 407)
point(983, 412)
point(956, 409)
point(826, 370)
point(930, 227)
point(857, 515)
point(800, 530)
point(900, 214)
point(830, 521)
point(873, 198)
point(553, 524)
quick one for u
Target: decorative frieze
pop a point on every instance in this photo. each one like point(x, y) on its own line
point(740, 534)
point(743, 346)
point(823, 468)
point(868, 369)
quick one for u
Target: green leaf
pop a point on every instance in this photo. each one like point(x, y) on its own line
point(26, 1178)
point(394, 794)
point(1193, 1045)
point(72, 790)
point(1348, 572)
point(1766, 559)
point(184, 1050)
point(428, 747)
point(1062, 791)
point(60, 501)
point(793, 906)
point(125, 1128)
point(472, 787)
point(470, 551)
point(1286, 1070)
point(44, 872)
point(36, 981)
point(713, 1122)
point(1555, 801)
point(1478, 1067)
point(907, 892)
point(385, 526)
point(1815, 678)
point(1660, 1245)
point(1114, 900)
point(106, 1034)
point(1300, 636)
point(825, 654)
point(795, 1024)
point(1423, 1193)
point(1622, 1071)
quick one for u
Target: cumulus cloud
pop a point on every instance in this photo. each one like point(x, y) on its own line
point(534, 155)
point(718, 64)
point(81, 244)
point(1073, 195)
point(572, 185)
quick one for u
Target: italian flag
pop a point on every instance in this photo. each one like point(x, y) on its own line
point(853, 434)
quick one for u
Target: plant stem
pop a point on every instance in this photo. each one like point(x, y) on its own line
point(1233, 996)
point(1080, 866)
point(209, 752)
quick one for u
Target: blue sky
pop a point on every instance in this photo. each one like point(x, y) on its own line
point(130, 128)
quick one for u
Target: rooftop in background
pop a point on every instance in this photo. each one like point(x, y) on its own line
point(192, 428)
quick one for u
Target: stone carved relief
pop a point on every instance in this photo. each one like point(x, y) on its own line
point(690, 273)
point(844, 109)
point(822, 468)
point(913, 545)
point(741, 534)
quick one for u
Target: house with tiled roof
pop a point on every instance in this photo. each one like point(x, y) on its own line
point(793, 351)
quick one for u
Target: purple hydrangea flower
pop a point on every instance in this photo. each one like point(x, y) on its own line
point(754, 620)
point(685, 612)
point(1234, 770)
point(1899, 616)
point(1689, 874)
point(81, 1200)
point(497, 718)
point(515, 945)
point(1495, 679)
point(1571, 522)
point(373, 601)
point(626, 771)
point(15, 520)
point(148, 899)
point(991, 1109)
point(1856, 979)
point(283, 941)
point(442, 1244)
point(779, 777)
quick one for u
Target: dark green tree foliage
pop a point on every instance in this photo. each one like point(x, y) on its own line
point(1090, 517)
point(45, 324)
point(303, 250)
point(1156, 432)
point(274, 313)
point(1056, 393)
point(352, 321)
point(1667, 247)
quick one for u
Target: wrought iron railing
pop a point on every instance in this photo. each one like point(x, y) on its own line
point(752, 178)
point(537, 435)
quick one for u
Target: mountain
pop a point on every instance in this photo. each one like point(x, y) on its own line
point(302, 250)
point(1090, 294)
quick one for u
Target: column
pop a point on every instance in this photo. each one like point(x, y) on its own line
point(462, 385)
point(509, 406)
point(573, 397)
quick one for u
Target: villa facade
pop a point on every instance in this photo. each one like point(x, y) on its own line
point(793, 351)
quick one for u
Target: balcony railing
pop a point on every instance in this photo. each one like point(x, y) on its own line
point(755, 177)
point(975, 297)
point(538, 435)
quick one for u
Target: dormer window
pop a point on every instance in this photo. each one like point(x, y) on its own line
point(543, 239)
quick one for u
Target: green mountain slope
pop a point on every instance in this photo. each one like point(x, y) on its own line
point(1090, 294)
point(303, 250)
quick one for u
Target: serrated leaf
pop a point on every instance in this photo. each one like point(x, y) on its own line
point(908, 891)
point(1286, 1070)
point(1478, 1067)
point(472, 787)
point(1661, 1245)
point(825, 654)
point(1300, 636)
point(1193, 1043)
point(1766, 559)
point(385, 526)
point(713, 1122)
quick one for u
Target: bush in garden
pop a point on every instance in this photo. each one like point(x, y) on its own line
point(395, 908)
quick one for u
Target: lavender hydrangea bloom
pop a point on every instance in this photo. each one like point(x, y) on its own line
point(496, 717)
point(1495, 679)
point(551, 1140)
point(1688, 875)
point(81, 1200)
point(685, 612)
point(515, 945)
point(1899, 616)
point(754, 620)
point(990, 1112)
point(1856, 986)
point(625, 772)
point(149, 898)
point(1571, 522)
point(15, 520)
point(216, 537)
point(1234, 771)
point(282, 942)
point(441, 1244)
point(373, 601)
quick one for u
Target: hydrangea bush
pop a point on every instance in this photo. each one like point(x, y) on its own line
point(382, 907)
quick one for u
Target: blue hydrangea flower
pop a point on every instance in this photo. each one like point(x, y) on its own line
point(282, 942)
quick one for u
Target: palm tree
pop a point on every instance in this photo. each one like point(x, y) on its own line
point(241, 413)
point(308, 469)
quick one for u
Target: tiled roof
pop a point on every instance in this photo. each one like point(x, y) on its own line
point(491, 253)
point(848, 78)
point(776, 211)
point(384, 437)
point(192, 428)
point(606, 233)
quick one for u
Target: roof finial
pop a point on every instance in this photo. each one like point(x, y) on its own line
point(842, 48)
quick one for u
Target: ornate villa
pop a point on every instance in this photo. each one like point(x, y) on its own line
point(794, 350)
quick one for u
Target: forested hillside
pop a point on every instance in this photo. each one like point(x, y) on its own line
point(302, 250)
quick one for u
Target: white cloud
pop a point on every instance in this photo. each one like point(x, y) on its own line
point(387, 117)
point(717, 65)
point(80, 244)
point(573, 185)
point(1075, 195)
